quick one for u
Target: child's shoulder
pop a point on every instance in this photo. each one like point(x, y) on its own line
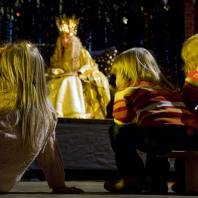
point(132, 91)
point(192, 77)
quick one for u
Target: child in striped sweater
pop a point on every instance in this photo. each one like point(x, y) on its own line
point(189, 54)
point(150, 116)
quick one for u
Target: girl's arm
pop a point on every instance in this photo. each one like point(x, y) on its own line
point(51, 161)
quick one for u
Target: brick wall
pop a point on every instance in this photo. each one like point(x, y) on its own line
point(190, 18)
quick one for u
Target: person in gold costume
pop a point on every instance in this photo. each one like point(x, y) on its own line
point(77, 88)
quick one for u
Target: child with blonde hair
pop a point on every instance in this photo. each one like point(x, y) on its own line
point(149, 116)
point(27, 119)
point(189, 54)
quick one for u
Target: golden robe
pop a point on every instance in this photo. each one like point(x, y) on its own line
point(81, 94)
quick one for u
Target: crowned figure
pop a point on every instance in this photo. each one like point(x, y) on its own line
point(77, 88)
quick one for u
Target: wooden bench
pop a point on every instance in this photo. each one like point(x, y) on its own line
point(191, 167)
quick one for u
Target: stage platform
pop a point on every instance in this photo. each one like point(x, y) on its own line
point(85, 144)
point(86, 149)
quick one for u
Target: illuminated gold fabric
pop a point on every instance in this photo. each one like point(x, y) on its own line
point(81, 94)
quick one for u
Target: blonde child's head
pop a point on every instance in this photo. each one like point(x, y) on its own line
point(189, 54)
point(23, 87)
point(22, 71)
point(137, 64)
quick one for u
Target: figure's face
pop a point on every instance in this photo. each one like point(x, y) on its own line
point(65, 40)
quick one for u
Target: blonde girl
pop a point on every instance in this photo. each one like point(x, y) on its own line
point(149, 115)
point(138, 64)
point(189, 54)
point(27, 119)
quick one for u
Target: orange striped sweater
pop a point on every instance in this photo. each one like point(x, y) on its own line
point(190, 89)
point(147, 107)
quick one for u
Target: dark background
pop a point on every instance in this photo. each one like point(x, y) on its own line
point(103, 23)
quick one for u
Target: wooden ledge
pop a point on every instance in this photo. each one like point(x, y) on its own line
point(179, 154)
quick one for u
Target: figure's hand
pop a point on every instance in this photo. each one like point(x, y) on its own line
point(67, 190)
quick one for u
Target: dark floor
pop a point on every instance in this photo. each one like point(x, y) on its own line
point(93, 189)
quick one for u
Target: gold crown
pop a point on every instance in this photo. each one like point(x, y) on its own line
point(67, 25)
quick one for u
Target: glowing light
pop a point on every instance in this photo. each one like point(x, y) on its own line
point(18, 14)
point(124, 20)
point(167, 8)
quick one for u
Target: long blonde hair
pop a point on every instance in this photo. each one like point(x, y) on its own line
point(22, 78)
point(138, 64)
point(189, 54)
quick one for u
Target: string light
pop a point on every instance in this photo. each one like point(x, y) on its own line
point(125, 20)
point(125, 24)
